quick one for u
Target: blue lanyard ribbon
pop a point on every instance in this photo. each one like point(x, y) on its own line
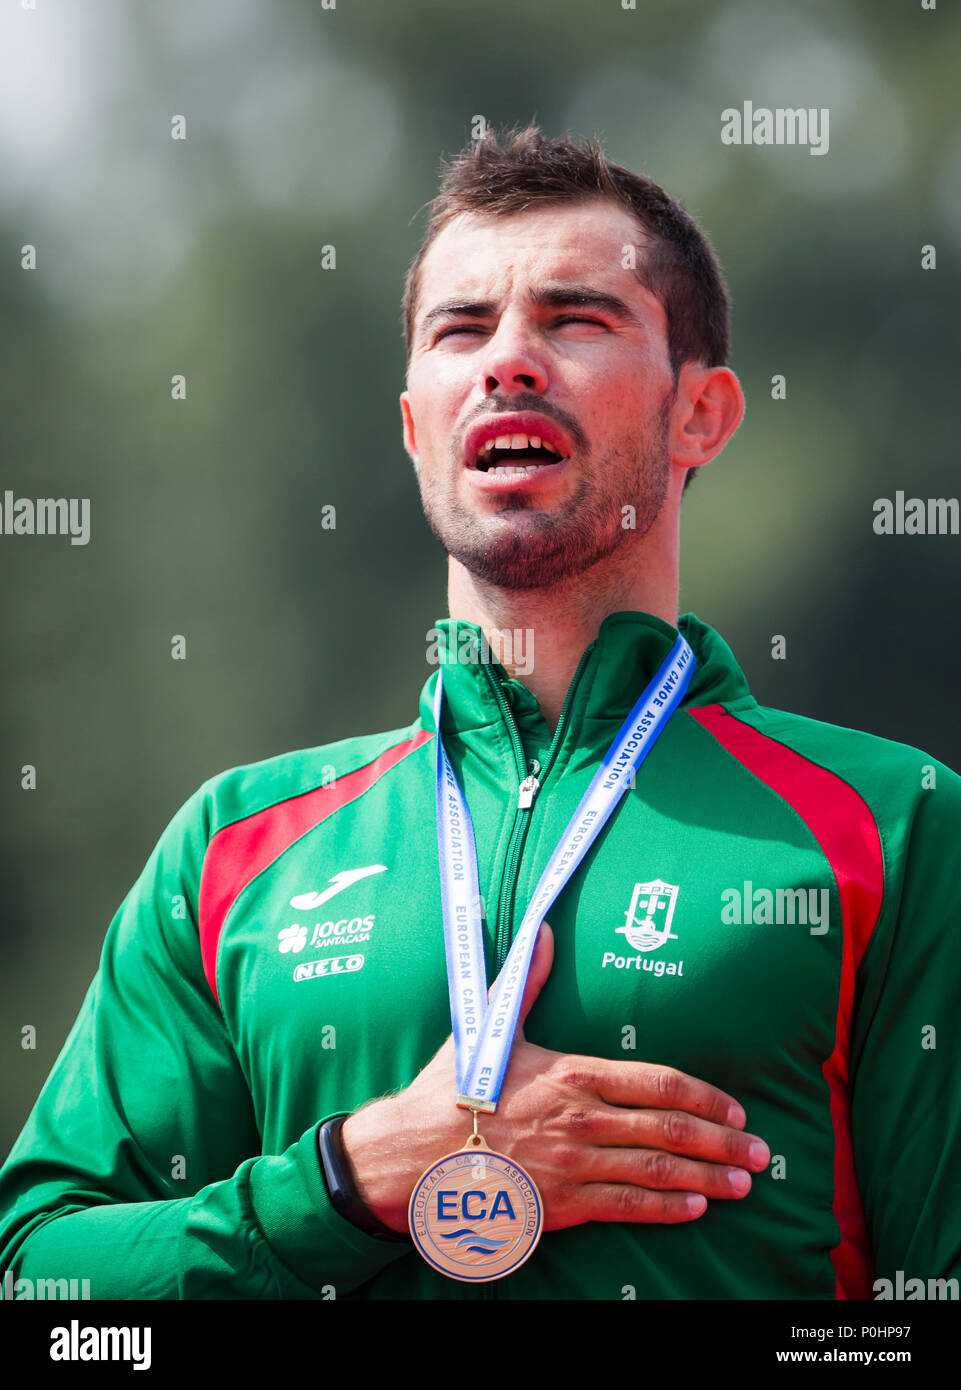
point(484, 1030)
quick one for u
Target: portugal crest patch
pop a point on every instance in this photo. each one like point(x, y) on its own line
point(648, 919)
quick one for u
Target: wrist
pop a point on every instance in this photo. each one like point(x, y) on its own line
point(341, 1183)
point(368, 1138)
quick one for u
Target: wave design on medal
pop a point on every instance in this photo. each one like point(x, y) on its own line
point(482, 1245)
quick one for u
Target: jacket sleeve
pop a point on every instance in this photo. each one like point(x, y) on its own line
point(906, 1043)
point(140, 1167)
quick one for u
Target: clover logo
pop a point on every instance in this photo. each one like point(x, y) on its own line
point(292, 938)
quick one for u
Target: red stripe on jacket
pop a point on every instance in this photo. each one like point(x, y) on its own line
point(841, 822)
point(239, 852)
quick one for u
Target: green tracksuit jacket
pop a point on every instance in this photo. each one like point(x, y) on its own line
point(772, 908)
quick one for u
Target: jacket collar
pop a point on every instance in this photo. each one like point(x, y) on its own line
point(627, 651)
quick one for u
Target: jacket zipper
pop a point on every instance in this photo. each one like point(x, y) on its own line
point(526, 792)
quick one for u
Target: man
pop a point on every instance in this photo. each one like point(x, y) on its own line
point(765, 924)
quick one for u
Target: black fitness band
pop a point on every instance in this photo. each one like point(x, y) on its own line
point(343, 1194)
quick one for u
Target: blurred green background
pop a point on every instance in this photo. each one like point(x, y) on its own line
point(308, 127)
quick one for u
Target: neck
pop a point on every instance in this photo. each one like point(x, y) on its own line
point(539, 635)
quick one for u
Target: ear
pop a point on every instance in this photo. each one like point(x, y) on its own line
point(410, 443)
point(708, 409)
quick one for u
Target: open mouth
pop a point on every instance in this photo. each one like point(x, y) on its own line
point(516, 454)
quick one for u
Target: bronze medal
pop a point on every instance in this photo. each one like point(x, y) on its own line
point(475, 1214)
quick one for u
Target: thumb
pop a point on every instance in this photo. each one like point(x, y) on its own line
point(541, 963)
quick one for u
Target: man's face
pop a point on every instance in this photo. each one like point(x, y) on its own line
point(590, 378)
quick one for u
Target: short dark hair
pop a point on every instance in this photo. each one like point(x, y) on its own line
point(497, 175)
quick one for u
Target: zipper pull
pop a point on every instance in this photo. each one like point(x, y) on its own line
point(529, 787)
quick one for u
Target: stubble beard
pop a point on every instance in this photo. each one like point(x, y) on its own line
point(523, 548)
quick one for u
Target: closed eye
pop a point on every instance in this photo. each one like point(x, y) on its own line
point(458, 328)
point(479, 328)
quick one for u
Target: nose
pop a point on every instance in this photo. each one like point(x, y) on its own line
point(513, 358)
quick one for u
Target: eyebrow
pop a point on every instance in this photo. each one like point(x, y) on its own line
point(548, 297)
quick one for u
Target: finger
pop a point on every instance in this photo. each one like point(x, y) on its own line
point(541, 963)
point(659, 1170)
point(677, 1132)
point(644, 1084)
point(623, 1202)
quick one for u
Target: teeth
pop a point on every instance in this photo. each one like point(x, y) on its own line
point(517, 441)
point(511, 470)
